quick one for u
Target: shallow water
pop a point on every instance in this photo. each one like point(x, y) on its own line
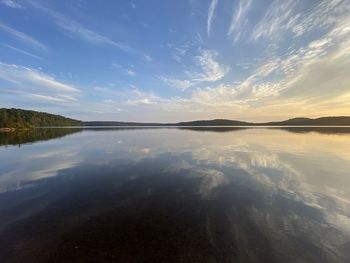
point(175, 195)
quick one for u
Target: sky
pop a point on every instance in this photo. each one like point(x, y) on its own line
point(169, 61)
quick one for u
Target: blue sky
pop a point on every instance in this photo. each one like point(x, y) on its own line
point(178, 60)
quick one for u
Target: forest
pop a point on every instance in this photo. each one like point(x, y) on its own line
point(23, 119)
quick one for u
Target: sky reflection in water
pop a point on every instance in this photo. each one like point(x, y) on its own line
point(173, 195)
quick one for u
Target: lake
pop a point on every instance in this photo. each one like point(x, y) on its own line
point(191, 194)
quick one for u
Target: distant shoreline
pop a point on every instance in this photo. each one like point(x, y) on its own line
point(323, 121)
point(18, 119)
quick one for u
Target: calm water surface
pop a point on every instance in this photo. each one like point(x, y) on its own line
point(175, 195)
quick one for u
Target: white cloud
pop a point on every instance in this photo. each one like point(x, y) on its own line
point(211, 70)
point(282, 17)
point(211, 12)
point(31, 77)
point(46, 98)
point(32, 83)
point(322, 74)
point(276, 18)
point(323, 15)
point(207, 69)
point(139, 98)
point(24, 38)
point(312, 80)
point(144, 101)
point(133, 5)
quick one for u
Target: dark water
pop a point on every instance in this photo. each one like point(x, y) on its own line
point(175, 195)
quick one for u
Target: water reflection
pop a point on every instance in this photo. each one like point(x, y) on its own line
point(170, 195)
point(34, 135)
point(323, 130)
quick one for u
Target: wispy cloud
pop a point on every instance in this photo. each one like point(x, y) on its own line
point(22, 51)
point(211, 13)
point(124, 70)
point(179, 52)
point(239, 19)
point(24, 38)
point(322, 69)
point(12, 4)
point(139, 98)
point(177, 83)
point(286, 16)
point(295, 61)
point(133, 5)
point(207, 69)
point(312, 80)
point(211, 69)
point(36, 84)
point(277, 17)
point(76, 29)
point(49, 98)
point(323, 15)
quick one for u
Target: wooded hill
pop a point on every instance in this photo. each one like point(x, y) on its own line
point(20, 119)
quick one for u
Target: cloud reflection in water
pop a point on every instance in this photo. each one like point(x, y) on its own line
point(249, 195)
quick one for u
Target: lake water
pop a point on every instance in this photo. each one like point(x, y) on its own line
point(175, 195)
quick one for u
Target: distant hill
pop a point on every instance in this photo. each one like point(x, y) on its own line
point(19, 119)
point(216, 122)
point(324, 121)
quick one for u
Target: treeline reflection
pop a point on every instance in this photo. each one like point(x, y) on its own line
point(35, 135)
point(322, 130)
point(44, 134)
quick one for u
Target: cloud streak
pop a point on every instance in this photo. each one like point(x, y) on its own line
point(29, 82)
point(22, 51)
point(207, 69)
point(24, 38)
point(239, 19)
point(76, 29)
point(211, 13)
